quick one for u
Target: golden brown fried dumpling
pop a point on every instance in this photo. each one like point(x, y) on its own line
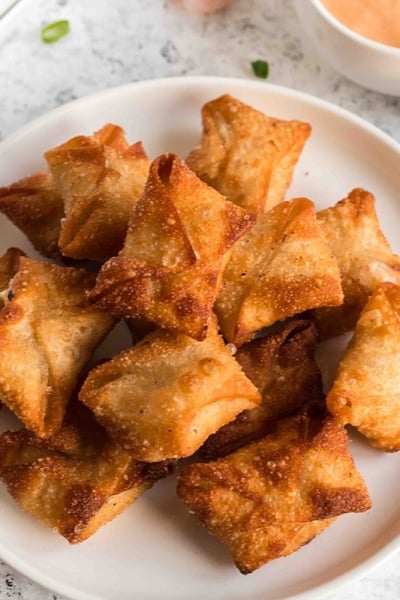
point(47, 335)
point(162, 398)
point(280, 268)
point(246, 155)
point(75, 481)
point(169, 269)
point(282, 367)
point(267, 499)
point(100, 181)
point(35, 206)
point(366, 391)
point(352, 231)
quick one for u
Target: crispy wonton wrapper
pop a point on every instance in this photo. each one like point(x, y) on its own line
point(75, 481)
point(35, 206)
point(47, 335)
point(366, 391)
point(353, 233)
point(9, 265)
point(162, 398)
point(282, 367)
point(246, 155)
point(169, 269)
point(280, 268)
point(100, 179)
point(267, 499)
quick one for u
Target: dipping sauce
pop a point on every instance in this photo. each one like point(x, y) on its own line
point(378, 20)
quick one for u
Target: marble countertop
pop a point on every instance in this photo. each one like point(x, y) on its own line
point(116, 42)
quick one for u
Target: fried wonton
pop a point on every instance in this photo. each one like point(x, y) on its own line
point(163, 397)
point(246, 155)
point(280, 268)
point(35, 206)
point(352, 231)
point(100, 179)
point(366, 391)
point(47, 335)
point(267, 499)
point(114, 136)
point(75, 481)
point(282, 367)
point(170, 267)
point(139, 328)
point(9, 265)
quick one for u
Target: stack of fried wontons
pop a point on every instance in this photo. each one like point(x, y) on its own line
point(226, 287)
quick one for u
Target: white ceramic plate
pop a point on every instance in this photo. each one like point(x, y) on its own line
point(155, 549)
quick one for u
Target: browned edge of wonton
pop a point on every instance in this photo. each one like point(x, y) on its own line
point(282, 367)
point(246, 155)
point(268, 498)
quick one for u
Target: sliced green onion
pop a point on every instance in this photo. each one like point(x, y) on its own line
point(54, 31)
point(260, 68)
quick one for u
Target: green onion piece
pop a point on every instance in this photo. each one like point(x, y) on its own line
point(260, 68)
point(54, 31)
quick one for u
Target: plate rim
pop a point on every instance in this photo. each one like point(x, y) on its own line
point(203, 79)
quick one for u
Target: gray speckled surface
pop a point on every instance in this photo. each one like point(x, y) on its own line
point(119, 41)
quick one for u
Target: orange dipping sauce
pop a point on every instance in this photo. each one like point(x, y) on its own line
point(378, 20)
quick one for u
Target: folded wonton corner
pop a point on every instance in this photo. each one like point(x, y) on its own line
point(280, 268)
point(246, 155)
point(366, 391)
point(75, 481)
point(170, 267)
point(269, 498)
point(47, 335)
point(162, 398)
point(100, 179)
point(282, 367)
point(35, 206)
point(352, 231)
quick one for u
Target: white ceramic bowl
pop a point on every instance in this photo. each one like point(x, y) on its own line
point(368, 63)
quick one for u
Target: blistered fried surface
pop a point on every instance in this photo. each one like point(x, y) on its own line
point(282, 367)
point(352, 231)
point(75, 481)
point(366, 391)
point(280, 268)
point(47, 335)
point(169, 269)
point(167, 230)
point(35, 206)
point(270, 497)
point(100, 179)
point(246, 155)
point(9, 264)
point(162, 398)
